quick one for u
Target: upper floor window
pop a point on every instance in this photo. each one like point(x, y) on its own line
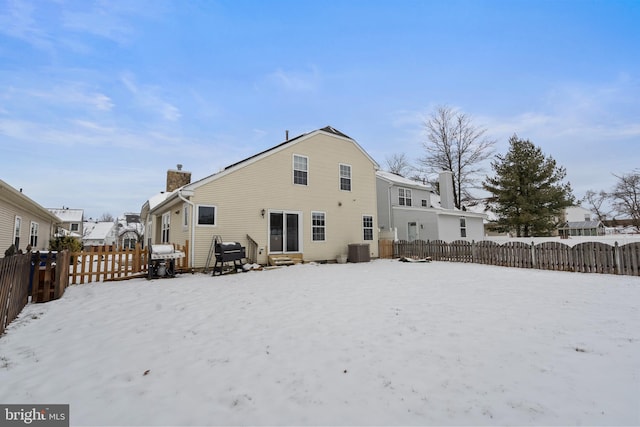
point(300, 169)
point(404, 197)
point(75, 226)
point(206, 215)
point(345, 177)
point(424, 203)
point(185, 216)
point(463, 227)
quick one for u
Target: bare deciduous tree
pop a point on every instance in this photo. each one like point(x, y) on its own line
point(399, 164)
point(454, 143)
point(597, 203)
point(106, 217)
point(625, 196)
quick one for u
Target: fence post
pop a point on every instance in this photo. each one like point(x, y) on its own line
point(533, 255)
point(616, 259)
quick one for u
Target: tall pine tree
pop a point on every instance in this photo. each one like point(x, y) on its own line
point(528, 194)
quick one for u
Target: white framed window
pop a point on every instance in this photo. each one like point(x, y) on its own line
point(318, 226)
point(345, 177)
point(300, 170)
point(367, 227)
point(16, 231)
point(166, 223)
point(424, 203)
point(463, 227)
point(207, 215)
point(185, 216)
point(404, 197)
point(75, 226)
point(33, 234)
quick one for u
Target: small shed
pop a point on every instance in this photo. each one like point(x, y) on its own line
point(581, 228)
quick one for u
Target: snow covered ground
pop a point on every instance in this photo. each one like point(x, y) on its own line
point(379, 343)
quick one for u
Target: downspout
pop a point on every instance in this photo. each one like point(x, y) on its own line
point(391, 223)
point(193, 228)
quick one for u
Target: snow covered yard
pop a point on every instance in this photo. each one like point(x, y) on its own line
point(381, 343)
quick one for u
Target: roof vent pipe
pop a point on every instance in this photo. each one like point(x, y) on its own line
point(286, 135)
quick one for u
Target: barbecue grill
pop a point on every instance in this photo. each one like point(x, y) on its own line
point(228, 252)
point(162, 261)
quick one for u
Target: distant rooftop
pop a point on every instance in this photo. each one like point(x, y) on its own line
point(67, 214)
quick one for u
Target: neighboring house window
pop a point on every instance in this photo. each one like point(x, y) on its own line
point(367, 227)
point(33, 235)
point(404, 197)
point(318, 226)
point(166, 222)
point(345, 177)
point(300, 169)
point(463, 227)
point(424, 203)
point(185, 216)
point(16, 234)
point(74, 227)
point(206, 215)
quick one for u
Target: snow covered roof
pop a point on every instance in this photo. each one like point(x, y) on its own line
point(582, 224)
point(68, 215)
point(400, 180)
point(97, 230)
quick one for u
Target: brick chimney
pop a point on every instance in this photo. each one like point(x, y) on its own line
point(176, 178)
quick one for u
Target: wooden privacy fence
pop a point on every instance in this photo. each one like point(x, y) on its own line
point(105, 263)
point(45, 275)
point(14, 287)
point(588, 257)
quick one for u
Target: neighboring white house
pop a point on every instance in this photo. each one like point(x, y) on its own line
point(308, 197)
point(410, 210)
point(71, 221)
point(23, 222)
point(99, 233)
point(129, 231)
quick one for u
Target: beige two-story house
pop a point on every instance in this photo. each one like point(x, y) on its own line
point(309, 197)
point(23, 222)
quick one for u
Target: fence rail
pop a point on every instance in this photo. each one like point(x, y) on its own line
point(105, 263)
point(588, 257)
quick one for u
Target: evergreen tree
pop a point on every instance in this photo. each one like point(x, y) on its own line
point(528, 194)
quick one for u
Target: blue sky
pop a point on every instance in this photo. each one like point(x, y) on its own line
point(99, 98)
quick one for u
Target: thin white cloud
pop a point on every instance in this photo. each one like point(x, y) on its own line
point(73, 94)
point(296, 81)
point(146, 97)
point(18, 21)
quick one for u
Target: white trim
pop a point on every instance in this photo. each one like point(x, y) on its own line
point(284, 213)
point(215, 215)
point(324, 217)
point(340, 177)
point(293, 169)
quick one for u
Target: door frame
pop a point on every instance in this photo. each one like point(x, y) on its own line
point(300, 230)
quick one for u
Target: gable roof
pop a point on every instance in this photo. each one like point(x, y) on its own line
point(15, 197)
point(168, 197)
point(400, 180)
point(97, 230)
point(68, 215)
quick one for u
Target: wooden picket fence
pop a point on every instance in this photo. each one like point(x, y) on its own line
point(587, 257)
point(50, 275)
point(105, 263)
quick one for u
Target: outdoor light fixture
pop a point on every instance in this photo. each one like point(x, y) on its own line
point(262, 212)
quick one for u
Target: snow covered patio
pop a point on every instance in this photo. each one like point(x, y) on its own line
point(380, 343)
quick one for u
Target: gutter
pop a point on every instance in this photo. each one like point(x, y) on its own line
point(190, 193)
